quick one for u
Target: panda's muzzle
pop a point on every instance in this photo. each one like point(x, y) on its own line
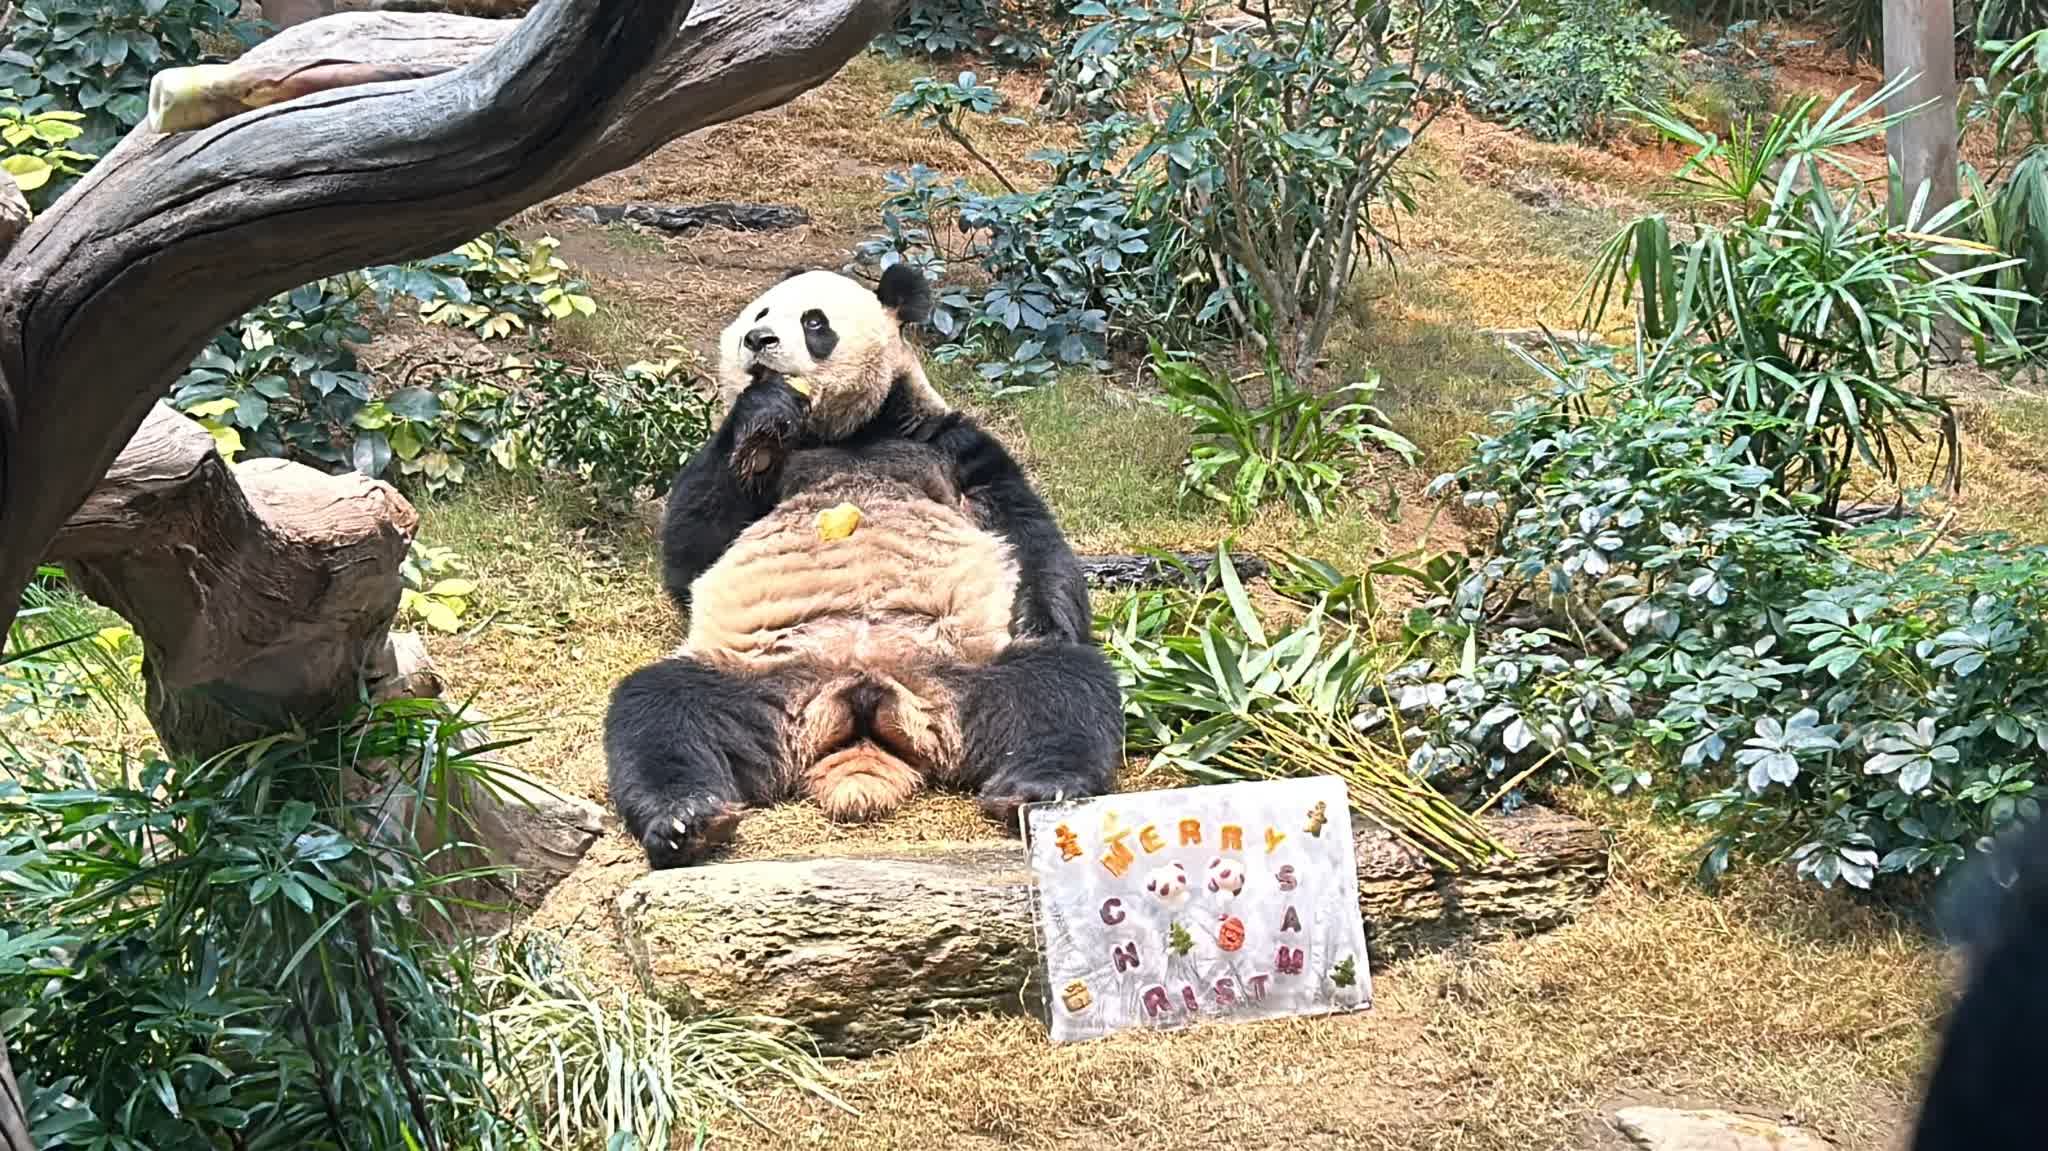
point(760, 339)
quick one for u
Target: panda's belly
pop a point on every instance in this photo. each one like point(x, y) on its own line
point(915, 582)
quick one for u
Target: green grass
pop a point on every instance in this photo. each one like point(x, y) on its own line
point(622, 330)
point(1108, 462)
point(1439, 383)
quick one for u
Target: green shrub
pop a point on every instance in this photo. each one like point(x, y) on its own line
point(493, 286)
point(2011, 195)
point(624, 434)
point(1810, 309)
point(1297, 447)
point(436, 589)
point(1566, 70)
point(1056, 260)
point(96, 56)
point(283, 381)
point(946, 28)
point(1248, 203)
point(1867, 702)
point(223, 954)
point(212, 956)
point(34, 149)
point(1669, 600)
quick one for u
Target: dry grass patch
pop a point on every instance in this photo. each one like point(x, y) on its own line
point(1771, 997)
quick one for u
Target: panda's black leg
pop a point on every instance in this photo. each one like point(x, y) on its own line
point(686, 747)
point(1043, 721)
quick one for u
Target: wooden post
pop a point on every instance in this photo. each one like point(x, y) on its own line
point(1920, 40)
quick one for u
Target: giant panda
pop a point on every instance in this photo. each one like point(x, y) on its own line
point(1979, 1094)
point(946, 637)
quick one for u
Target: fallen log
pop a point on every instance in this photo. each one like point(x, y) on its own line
point(1131, 571)
point(682, 219)
point(867, 951)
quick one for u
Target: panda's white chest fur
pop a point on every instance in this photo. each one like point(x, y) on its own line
point(915, 582)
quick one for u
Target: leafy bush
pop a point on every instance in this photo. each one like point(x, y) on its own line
point(205, 957)
point(2012, 195)
point(96, 56)
point(219, 955)
point(625, 434)
point(1298, 447)
point(1249, 201)
point(1865, 702)
point(1811, 308)
point(436, 588)
point(284, 381)
point(943, 28)
point(1054, 260)
point(494, 286)
point(1283, 155)
point(1566, 70)
point(33, 150)
point(1669, 601)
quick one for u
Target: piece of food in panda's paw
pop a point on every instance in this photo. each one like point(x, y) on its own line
point(838, 521)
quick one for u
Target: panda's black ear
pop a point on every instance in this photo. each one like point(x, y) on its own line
point(906, 292)
point(792, 274)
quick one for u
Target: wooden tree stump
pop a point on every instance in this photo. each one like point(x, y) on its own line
point(261, 593)
point(866, 951)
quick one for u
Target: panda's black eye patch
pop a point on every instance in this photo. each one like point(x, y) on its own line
point(819, 338)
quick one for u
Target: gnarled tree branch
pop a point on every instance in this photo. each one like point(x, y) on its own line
point(108, 296)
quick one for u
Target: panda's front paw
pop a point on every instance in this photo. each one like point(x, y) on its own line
point(692, 831)
point(766, 419)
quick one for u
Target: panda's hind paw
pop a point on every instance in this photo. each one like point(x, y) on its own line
point(700, 828)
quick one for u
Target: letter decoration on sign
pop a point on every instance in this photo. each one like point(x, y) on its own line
point(1245, 906)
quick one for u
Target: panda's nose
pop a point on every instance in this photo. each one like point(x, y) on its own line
point(760, 338)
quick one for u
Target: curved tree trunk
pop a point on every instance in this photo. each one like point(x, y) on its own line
point(107, 297)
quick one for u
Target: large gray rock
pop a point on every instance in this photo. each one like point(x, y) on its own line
point(866, 951)
point(1666, 1129)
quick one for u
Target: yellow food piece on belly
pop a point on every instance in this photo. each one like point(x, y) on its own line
point(802, 385)
point(837, 522)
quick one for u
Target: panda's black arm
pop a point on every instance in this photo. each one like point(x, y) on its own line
point(1052, 593)
point(729, 483)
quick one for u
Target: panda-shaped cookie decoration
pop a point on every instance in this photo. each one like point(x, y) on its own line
point(877, 597)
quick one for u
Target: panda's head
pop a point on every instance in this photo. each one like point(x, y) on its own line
point(842, 338)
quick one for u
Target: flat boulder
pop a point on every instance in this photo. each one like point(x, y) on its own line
point(1669, 1129)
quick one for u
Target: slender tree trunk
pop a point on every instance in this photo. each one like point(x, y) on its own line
point(1919, 40)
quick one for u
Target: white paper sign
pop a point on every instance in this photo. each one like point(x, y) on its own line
point(1167, 908)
